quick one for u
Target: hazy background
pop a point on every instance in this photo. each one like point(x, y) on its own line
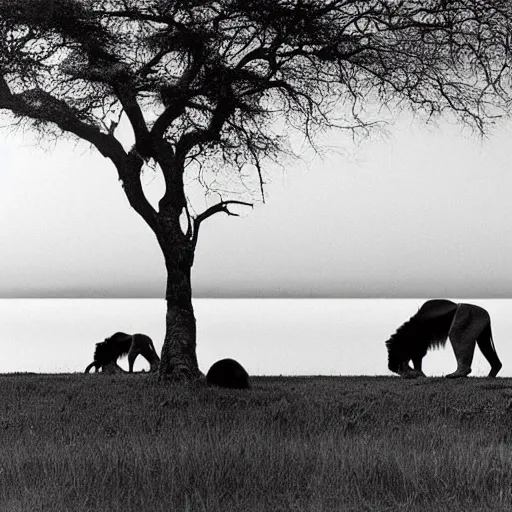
point(422, 212)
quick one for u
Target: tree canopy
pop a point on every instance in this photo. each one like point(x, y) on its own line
point(226, 80)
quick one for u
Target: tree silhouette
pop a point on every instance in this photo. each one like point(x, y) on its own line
point(222, 83)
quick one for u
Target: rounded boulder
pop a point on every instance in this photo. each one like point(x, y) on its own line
point(228, 373)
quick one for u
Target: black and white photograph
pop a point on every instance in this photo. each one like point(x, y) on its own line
point(256, 255)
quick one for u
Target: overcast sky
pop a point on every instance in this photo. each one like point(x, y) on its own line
point(425, 212)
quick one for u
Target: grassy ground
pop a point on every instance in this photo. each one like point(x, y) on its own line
point(128, 443)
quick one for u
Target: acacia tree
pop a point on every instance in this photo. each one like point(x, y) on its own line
point(222, 82)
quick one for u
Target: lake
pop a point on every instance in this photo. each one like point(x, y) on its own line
point(268, 336)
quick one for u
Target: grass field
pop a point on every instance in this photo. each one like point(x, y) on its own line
point(128, 443)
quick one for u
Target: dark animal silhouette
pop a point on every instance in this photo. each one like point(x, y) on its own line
point(228, 373)
point(120, 344)
point(464, 324)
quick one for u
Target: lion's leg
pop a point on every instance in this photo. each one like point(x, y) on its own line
point(417, 366)
point(404, 367)
point(133, 352)
point(151, 357)
point(485, 345)
point(404, 370)
point(131, 360)
point(145, 348)
point(463, 334)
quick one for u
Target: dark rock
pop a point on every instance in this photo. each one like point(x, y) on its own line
point(228, 373)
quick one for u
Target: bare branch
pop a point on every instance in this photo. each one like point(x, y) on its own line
point(212, 210)
point(220, 207)
point(43, 107)
point(130, 177)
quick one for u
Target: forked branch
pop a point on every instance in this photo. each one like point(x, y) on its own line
point(216, 208)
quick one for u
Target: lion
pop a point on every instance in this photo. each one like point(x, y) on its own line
point(121, 344)
point(464, 324)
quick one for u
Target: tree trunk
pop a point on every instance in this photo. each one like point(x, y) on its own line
point(178, 360)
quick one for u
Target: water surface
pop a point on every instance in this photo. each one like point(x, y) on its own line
point(268, 336)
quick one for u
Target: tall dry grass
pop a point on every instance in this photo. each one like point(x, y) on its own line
point(89, 443)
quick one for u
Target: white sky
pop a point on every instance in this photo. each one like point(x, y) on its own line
point(424, 212)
